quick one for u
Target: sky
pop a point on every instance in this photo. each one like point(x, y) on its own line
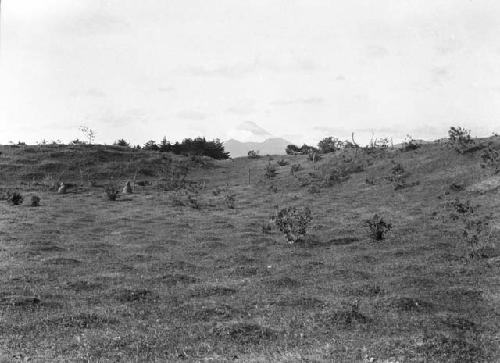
point(297, 69)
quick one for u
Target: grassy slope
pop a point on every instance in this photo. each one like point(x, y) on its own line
point(142, 279)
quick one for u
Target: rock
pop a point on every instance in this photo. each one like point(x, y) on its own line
point(62, 188)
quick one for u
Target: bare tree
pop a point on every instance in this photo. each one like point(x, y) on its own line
point(88, 132)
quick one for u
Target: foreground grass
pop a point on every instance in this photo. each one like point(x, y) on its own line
point(141, 279)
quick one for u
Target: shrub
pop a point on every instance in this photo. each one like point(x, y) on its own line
point(252, 154)
point(410, 144)
point(295, 168)
point(491, 159)
point(314, 189)
point(459, 139)
point(378, 227)
point(335, 176)
point(273, 188)
point(35, 201)
point(151, 145)
point(177, 199)
point(329, 145)
point(303, 150)
point(193, 201)
point(282, 162)
point(476, 229)
point(16, 198)
point(293, 150)
point(121, 142)
point(50, 183)
point(399, 177)
point(293, 222)
point(217, 191)
point(112, 192)
point(370, 180)
point(174, 175)
point(78, 142)
point(267, 228)
point(270, 171)
point(314, 156)
point(230, 199)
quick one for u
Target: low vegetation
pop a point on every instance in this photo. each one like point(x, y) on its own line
point(212, 261)
point(293, 222)
point(378, 227)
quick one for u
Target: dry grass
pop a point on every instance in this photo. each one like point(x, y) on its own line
point(83, 278)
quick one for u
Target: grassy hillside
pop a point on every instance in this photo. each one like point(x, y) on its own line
point(177, 275)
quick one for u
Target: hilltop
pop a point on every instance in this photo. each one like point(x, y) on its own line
point(191, 265)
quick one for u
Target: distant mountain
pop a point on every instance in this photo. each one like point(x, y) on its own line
point(272, 146)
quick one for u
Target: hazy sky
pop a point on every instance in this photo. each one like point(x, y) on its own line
point(299, 69)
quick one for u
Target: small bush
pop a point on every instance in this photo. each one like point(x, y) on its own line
point(177, 199)
point(273, 188)
point(457, 187)
point(230, 199)
point(370, 180)
point(282, 162)
point(335, 176)
point(314, 189)
point(122, 142)
point(378, 227)
point(491, 159)
point(410, 144)
point(293, 222)
point(35, 201)
point(476, 232)
point(193, 201)
point(16, 198)
point(252, 154)
point(329, 145)
point(270, 171)
point(295, 168)
point(476, 229)
point(267, 228)
point(112, 192)
point(314, 156)
point(399, 177)
point(460, 139)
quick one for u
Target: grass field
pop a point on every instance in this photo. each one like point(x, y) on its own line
point(147, 279)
